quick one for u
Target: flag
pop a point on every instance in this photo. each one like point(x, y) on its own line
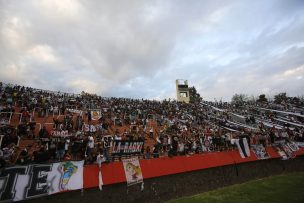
point(133, 171)
point(243, 147)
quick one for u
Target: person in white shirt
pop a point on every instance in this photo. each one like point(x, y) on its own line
point(117, 137)
point(91, 142)
point(90, 146)
point(66, 145)
point(151, 132)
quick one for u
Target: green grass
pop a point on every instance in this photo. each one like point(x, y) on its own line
point(288, 188)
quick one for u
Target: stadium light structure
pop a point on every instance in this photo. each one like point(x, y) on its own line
point(182, 91)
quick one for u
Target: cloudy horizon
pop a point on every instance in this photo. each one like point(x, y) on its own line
point(137, 49)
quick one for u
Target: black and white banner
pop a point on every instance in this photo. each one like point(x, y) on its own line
point(286, 149)
point(26, 182)
point(242, 146)
point(300, 144)
point(260, 151)
point(207, 144)
point(127, 147)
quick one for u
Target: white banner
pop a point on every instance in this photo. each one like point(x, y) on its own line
point(75, 111)
point(300, 144)
point(70, 178)
point(260, 151)
point(27, 182)
point(61, 133)
point(132, 171)
point(284, 151)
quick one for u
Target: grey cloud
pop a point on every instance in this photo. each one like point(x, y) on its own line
point(138, 48)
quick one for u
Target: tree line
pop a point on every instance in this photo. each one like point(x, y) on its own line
point(239, 99)
point(281, 98)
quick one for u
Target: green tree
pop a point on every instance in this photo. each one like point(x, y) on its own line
point(251, 99)
point(262, 98)
point(295, 100)
point(194, 95)
point(301, 102)
point(281, 97)
point(239, 99)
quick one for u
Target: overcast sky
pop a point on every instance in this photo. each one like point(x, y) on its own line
point(137, 49)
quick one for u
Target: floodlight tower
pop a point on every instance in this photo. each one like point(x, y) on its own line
point(182, 91)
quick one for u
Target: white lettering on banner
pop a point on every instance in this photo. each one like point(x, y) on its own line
point(89, 128)
point(116, 148)
point(131, 147)
point(74, 111)
point(139, 146)
point(127, 147)
point(25, 182)
point(63, 133)
point(107, 141)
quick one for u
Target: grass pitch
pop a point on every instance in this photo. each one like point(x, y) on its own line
point(287, 188)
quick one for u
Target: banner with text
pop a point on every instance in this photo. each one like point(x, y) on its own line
point(74, 111)
point(286, 149)
point(61, 133)
point(30, 181)
point(127, 147)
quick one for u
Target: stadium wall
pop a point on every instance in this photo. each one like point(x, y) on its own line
point(167, 178)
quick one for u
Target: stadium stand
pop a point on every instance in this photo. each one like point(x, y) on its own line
point(39, 126)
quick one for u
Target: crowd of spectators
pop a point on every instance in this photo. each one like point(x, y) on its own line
point(168, 128)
